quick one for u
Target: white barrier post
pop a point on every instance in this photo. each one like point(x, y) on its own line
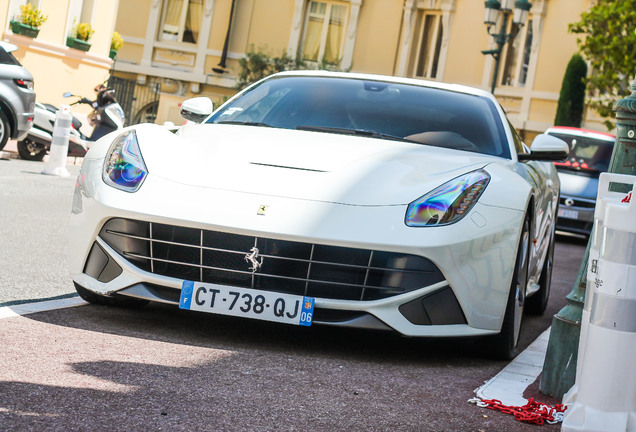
point(605, 399)
point(605, 196)
point(59, 145)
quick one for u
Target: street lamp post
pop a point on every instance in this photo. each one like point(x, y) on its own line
point(519, 17)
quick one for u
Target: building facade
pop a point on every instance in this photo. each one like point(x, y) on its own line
point(56, 67)
point(176, 49)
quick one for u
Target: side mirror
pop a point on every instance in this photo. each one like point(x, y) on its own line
point(67, 94)
point(546, 148)
point(197, 109)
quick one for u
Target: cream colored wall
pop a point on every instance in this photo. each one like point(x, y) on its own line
point(557, 45)
point(266, 26)
point(4, 12)
point(377, 37)
point(53, 75)
point(105, 14)
point(54, 29)
point(219, 23)
point(132, 17)
point(131, 21)
point(465, 62)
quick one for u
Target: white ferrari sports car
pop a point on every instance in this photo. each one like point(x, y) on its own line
point(326, 198)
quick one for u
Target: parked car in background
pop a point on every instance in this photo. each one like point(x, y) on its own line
point(328, 198)
point(590, 154)
point(17, 98)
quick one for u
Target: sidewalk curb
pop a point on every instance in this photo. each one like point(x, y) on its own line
point(510, 383)
point(43, 306)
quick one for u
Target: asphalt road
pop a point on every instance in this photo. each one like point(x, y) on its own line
point(92, 368)
point(34, 211)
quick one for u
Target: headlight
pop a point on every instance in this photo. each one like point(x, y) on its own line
point(448, 203)
point(124, 168)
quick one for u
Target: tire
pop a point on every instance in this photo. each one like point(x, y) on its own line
point(28, 150)
point(98, 299)
point(504, 345)
point(538, 302)
point(5, 130)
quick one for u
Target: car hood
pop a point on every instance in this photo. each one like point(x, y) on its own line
point(578, 185)
point(301, 164)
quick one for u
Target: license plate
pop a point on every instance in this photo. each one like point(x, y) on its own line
point(247, 303)
point(568, 214)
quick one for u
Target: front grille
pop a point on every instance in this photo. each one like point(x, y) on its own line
point(313, 270)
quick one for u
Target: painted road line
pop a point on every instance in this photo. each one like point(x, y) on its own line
point(43, 306)
point(509, 384)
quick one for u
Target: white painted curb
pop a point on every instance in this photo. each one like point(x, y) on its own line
point(43, 306)
point(509, 384)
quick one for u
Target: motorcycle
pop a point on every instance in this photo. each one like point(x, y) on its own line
point(104, 118)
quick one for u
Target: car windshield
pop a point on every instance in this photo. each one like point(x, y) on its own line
point(376, 109)
point(587, 154)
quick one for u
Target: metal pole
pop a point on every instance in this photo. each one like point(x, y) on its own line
point(559, 368)
point(501, 41)
point(226, 44)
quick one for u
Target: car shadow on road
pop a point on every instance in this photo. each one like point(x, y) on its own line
point(161, 368)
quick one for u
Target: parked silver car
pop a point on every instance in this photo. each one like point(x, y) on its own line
point(17, 98)
point(590, 154)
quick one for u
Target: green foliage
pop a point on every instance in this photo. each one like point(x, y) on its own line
point(31, 16)
point(257, 64)
point(82, 31)
point(608, 45)
point(572, 97)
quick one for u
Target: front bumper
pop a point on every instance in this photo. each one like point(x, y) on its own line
point(475, 256)
point(576, 215)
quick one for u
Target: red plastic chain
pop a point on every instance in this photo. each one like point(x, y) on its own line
point(532, 412)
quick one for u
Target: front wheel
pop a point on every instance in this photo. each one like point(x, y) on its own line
point(538, 303)
point(504, 345)
point(28, 150)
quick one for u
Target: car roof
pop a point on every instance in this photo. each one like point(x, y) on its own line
point(392, 79)
point(8, 47)
point(567, 130)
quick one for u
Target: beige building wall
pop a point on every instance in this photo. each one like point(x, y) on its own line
point(380, 36)
point(55, 67)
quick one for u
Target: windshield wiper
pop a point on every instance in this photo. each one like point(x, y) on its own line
point(244, 123)
point(355, 132)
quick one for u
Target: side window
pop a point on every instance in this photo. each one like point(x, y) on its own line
point(520, 147)
point(428, 34)
point(181, 20)
point(323, 38)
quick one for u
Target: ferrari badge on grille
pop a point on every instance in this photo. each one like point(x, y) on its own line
point(252, 258)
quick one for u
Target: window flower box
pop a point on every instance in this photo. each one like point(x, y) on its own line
point(78, 44)
point(24, 29)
